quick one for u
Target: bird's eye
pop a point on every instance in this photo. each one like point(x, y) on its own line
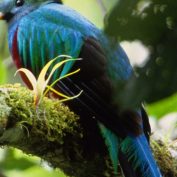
point(19, 2)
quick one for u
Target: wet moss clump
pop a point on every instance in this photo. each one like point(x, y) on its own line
point(51, 120)
point(44, 131)
point(50, 131)
point(163, 156)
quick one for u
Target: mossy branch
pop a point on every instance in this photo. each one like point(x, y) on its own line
point(54, 133)
point(50, 131)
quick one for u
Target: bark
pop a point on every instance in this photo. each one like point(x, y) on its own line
point(54, 133)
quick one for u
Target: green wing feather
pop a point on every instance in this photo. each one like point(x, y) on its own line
point(112, 143)
point(54, 39)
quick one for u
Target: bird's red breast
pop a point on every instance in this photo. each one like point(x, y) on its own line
point(17, 59)
point(15, 52)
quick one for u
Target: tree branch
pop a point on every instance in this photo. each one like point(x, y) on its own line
point(50, 131)
point(54, 133)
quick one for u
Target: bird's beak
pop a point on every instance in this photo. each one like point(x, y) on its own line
point(1, 16)
point(5, 7)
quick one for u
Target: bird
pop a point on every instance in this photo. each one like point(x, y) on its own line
point(40, 30)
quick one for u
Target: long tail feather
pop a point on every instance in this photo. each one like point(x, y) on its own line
point(138, 153)
point(116, 156)
point(126, 168)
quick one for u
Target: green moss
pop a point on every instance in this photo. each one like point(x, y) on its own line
point(27, 126)
point(4, 112)
point(54, 133)
point(51, 118)
point(166, 162)
point(50, 131)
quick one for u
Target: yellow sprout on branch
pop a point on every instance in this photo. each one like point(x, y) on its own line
point(40, 85)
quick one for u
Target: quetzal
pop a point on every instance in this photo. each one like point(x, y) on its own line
point(40, 30)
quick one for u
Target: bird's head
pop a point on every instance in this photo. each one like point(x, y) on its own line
point(11, 8)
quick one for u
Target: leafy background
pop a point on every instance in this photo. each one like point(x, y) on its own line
point(147, 31)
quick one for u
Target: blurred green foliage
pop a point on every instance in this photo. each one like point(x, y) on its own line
point(3, 73)
point(163, 107)
point(3, 45)
point(88, 8)
point(3, 51)
point(94, 10)
point(14, 163)
point(154, 23)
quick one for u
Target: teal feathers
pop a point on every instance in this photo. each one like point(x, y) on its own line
point(63, 44)
point(138, 153)
point(111, 141)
